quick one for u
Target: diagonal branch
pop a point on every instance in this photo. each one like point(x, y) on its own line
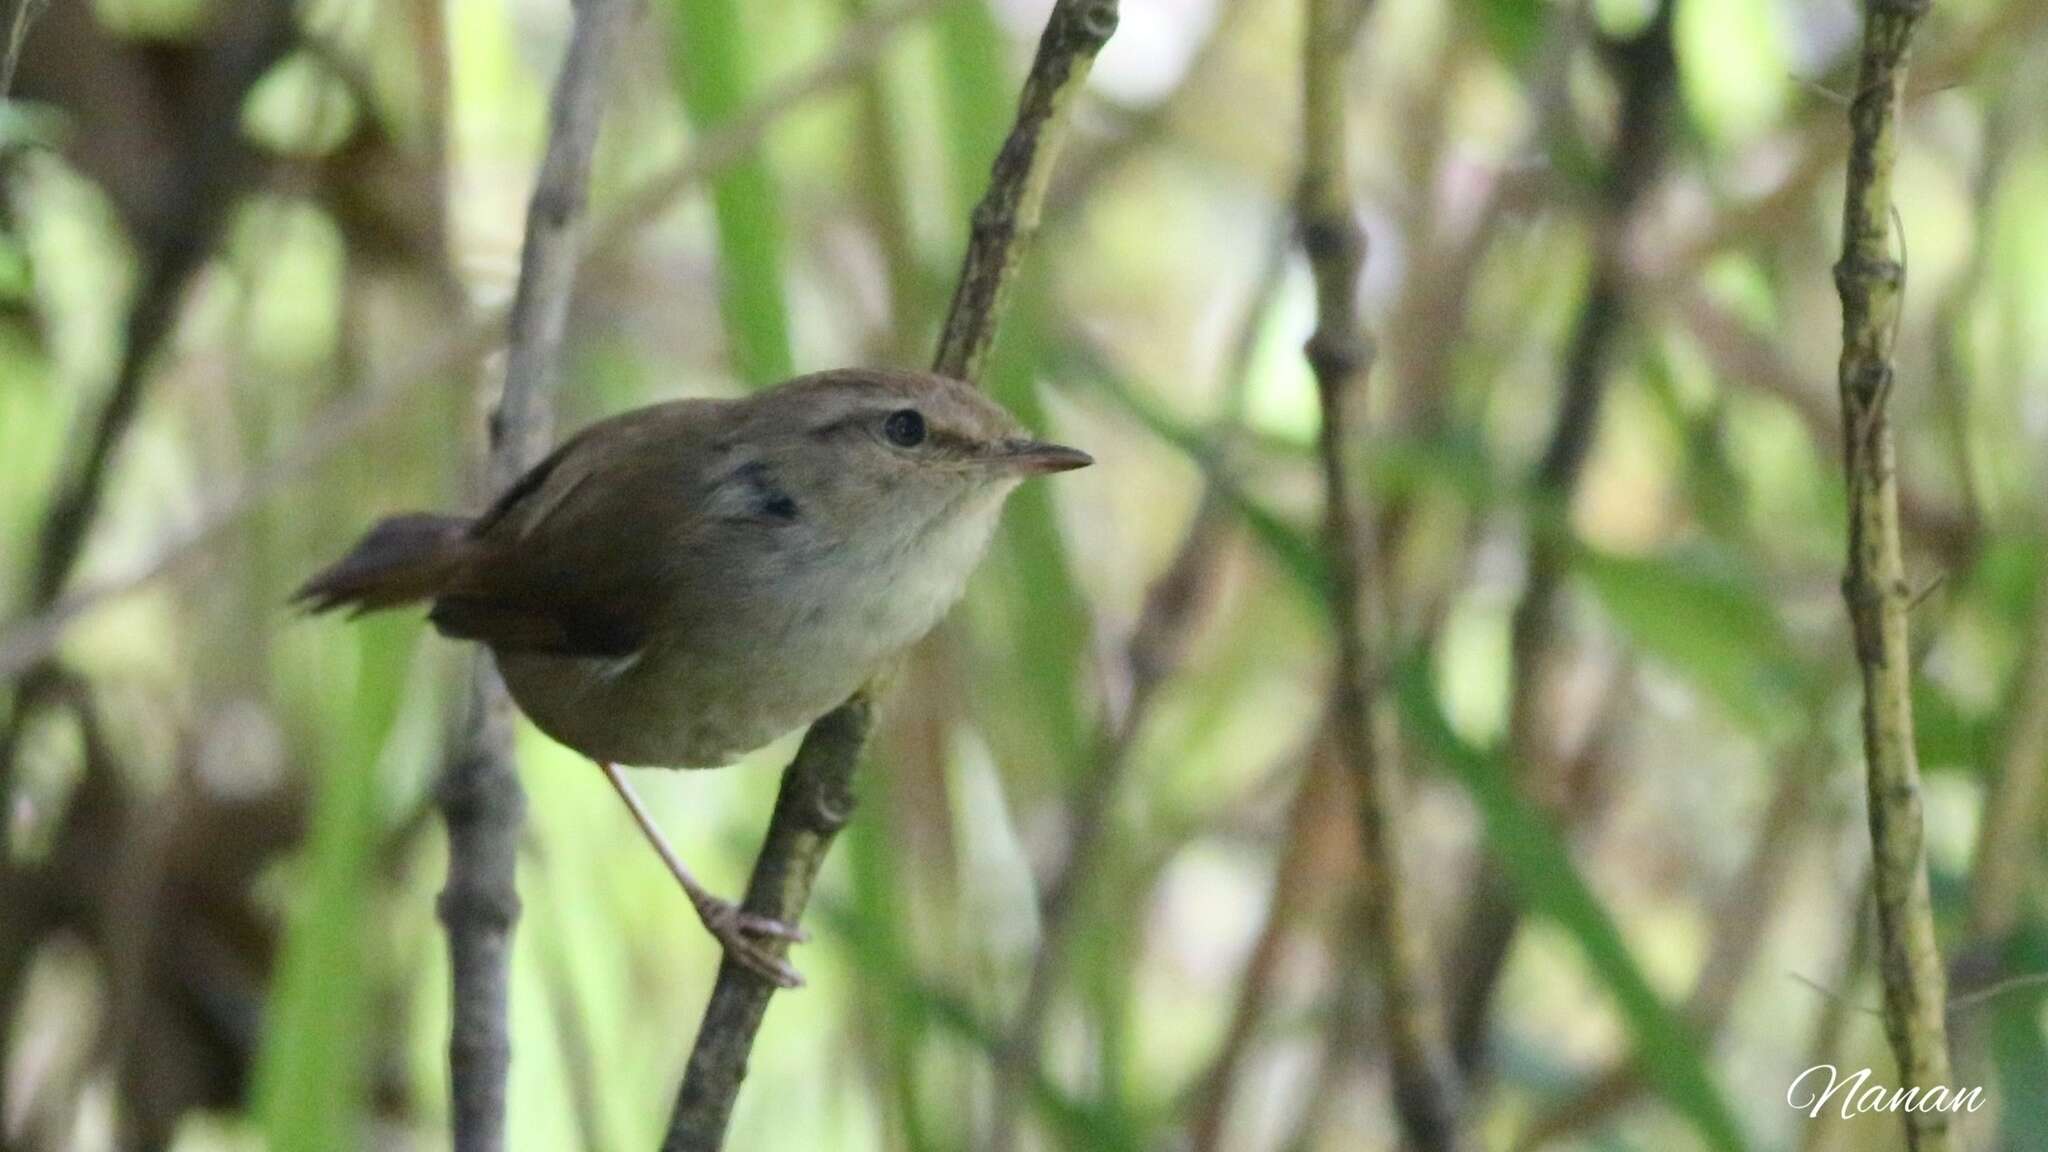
point(480, 795)
point(1872, 285)
point(816, 797)
point(1427, 1091)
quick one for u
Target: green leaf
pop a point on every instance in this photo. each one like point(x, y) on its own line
point(2020, 1051)
point(716, 78)
point(1948, 736)
point(1048, 617)
point(1549, 885)
point(1078, 1122)
point(312, 1076)
point(1512, 28)
point(880, 904)
point(1694, 613)
point(2008, 577)
point(976, 94)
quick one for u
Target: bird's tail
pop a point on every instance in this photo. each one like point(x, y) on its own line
point(403, 559)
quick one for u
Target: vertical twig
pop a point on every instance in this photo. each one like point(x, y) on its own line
point(1872, 284)
point(816, 797)
point(1646, 72)
point(1426, 1089)
point(480, 795)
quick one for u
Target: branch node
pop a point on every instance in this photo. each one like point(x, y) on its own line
point(1858, 268)
point(1097, 22)
point(483, 907)
point(1334, 238)
point(1338, 355)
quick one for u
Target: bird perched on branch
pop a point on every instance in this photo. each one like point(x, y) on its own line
point(681, 584)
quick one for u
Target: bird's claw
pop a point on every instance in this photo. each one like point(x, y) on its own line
point(744, 937)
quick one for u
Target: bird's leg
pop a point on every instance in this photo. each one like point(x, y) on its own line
point(741, 933)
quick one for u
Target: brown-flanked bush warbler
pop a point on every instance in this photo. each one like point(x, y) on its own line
point(683, 583)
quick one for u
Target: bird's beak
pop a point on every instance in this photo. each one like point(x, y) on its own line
point(1036, 457)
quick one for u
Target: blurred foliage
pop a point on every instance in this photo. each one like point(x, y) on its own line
point(218, 864)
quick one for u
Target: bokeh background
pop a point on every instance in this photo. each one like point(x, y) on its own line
point(1102, 890)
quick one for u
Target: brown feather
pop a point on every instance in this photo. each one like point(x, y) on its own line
point(403, 559)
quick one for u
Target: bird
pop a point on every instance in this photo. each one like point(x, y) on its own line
point(680, 584)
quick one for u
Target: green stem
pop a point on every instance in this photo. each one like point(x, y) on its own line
point(1427, 1091)
point(1872, 285)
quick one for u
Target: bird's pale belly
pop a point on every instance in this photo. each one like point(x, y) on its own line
point(665, 710)
point(735, 672)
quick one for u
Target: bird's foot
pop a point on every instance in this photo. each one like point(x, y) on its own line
point(752, 940)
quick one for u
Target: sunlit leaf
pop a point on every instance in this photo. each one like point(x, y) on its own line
point(712, 65)
point(312, 1076)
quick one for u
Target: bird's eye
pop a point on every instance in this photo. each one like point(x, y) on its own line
point(904, 428)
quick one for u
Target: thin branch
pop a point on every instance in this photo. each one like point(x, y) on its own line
point(1975, 54)
point(1427, 1092)
point(1749, 358)
point(1872, 285)
point(816, 797)
point(480, 796)
point(1007, 216)
point(1645, 71)
point(343, 421)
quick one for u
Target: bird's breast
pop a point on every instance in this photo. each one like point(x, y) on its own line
point(756, 650)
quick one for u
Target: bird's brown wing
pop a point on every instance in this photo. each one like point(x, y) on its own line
point(573, 559)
